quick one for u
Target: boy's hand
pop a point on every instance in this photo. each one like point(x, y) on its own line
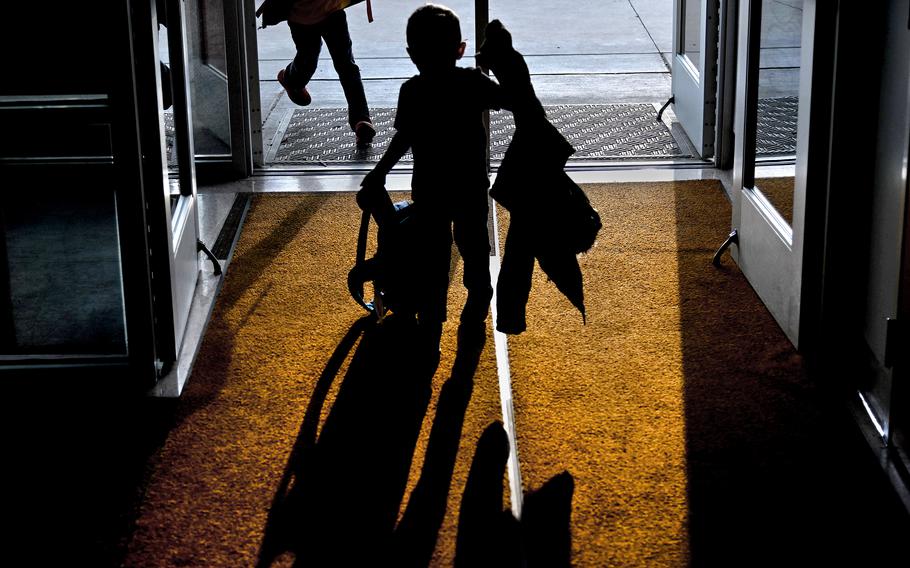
point(373, 179)
point(373, 184)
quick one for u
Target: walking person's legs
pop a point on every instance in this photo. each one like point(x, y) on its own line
point(338, 41)
point(297, 74)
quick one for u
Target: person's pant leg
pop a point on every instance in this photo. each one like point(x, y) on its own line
point(473, 242)
point(309, 42)
point(338, 41)
point(432, 257)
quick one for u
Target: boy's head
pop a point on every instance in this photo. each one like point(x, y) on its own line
point(434, 37)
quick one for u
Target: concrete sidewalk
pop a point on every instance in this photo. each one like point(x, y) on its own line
point(611, 41)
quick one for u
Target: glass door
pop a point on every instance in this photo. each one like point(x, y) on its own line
point(215, 53)
point(180, 209)
point(694, 70)
point(770, 215)
point(75, 278)
point(208, 78)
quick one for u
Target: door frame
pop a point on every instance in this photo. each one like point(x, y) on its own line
point(172, 233)
point(183, 218)
point(724, 140)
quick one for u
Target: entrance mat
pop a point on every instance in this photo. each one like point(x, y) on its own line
point(676, 428)
point(680, 410)
point(776, 131)
point(598, 132)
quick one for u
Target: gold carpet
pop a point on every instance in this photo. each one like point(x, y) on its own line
point(605, 400)
point(284, 310)
point(304, 434)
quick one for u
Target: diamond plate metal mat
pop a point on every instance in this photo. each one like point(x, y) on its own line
point(777, 121)
point(598, 132)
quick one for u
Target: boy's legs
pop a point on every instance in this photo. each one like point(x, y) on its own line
point(432, 261)
point(473, 241)
point(338, 41)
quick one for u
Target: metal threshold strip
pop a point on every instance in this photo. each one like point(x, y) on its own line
point(572, 165)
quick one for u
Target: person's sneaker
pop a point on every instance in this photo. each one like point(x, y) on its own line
point(365, 132)
point(299, 97)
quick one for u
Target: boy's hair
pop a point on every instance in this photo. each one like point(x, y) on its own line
point(434, 35)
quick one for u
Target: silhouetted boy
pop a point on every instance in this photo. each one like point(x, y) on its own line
point(440, 118)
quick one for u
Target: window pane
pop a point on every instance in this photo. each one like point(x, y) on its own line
point(61, 278)
point(691, 33)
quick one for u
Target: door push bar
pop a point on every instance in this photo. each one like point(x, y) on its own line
point(732, 239)
point(670, 101)
point(216, 266)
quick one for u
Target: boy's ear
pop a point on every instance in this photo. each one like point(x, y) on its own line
point(460, 53)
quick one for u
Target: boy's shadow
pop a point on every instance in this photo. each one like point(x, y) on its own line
point(491, 536)
point(340, 496)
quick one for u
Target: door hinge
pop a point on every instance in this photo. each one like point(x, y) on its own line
point(893, 340)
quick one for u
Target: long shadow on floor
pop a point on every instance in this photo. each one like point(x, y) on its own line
point(338, 502)
point(76, 462)
point(491, 536)
point(339, 499)
point(777, 474)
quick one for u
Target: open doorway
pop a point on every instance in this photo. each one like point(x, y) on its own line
point(601, 70)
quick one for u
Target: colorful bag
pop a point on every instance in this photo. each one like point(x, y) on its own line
point(276, 11)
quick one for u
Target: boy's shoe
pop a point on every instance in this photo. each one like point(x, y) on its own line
point(299, 97)
point(365, 132)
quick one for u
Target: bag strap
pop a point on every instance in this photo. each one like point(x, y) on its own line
point(362, 238)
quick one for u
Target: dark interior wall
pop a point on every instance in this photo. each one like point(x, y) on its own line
point(890, 180)
point(60, 47)
point(889, 273)
point(867, 217)
point(855, 137)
